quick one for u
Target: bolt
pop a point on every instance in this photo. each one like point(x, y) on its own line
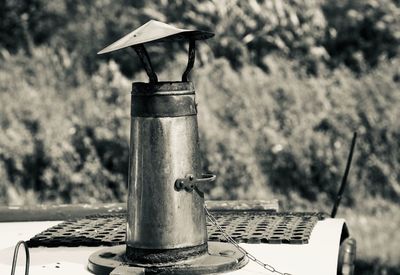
point(226, 253)
point(108, 255)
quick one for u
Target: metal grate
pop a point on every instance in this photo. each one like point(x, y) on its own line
point(243, 226)
point(264, 227)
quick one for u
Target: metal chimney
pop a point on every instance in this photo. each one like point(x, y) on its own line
point(166, 226)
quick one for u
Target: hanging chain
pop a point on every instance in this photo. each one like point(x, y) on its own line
point(241, 249)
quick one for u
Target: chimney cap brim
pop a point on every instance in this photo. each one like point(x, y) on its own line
point(155, 31)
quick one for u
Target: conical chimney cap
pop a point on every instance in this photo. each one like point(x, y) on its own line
point(155, 31)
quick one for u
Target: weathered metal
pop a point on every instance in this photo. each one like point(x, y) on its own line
point(164, 147)
point(163, 99)
point(245, 226)
point(155, 31)
point(190, 182)
point(166, 222)
point(221, 257)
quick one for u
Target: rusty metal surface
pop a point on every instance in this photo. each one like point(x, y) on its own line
point(164, 106)
point(161, 100)
point(163, 150)
point(219, 258)
point(244, 226)
point(155, 31)
point(165, 87)
point(161, 256)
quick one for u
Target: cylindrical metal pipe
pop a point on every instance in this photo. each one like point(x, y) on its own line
point(347, 257)
point(164, 147)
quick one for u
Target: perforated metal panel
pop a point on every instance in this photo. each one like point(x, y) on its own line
point(264, 227)
point(243, 226)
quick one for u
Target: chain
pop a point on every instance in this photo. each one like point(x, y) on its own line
point(268, 267)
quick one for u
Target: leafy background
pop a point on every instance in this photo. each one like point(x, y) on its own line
point(281, 88)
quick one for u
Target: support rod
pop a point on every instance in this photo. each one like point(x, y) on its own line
point(145, 59)
point(191, 58)
point(344, 179)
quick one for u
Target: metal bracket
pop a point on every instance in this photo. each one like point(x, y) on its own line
point(145, 59)
point(191, 58)
point(190, 182)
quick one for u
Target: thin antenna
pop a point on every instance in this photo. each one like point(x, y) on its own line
point(344, 179)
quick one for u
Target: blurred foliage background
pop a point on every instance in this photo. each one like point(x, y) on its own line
point(281, 88)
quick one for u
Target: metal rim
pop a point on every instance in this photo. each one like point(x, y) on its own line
point(162, 88)
point(221, 257)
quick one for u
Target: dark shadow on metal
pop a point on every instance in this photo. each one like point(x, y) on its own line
point(154, 256)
